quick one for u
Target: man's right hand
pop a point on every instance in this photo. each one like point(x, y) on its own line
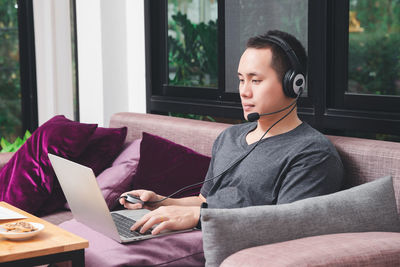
point(144, 195)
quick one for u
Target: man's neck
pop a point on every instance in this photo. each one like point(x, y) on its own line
point(264, 123)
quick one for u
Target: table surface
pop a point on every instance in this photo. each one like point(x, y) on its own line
point(51, 240)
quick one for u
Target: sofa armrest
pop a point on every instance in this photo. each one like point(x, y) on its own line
point(348, 249)
point(5, 157)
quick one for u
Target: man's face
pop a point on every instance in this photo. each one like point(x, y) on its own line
point(260, 88)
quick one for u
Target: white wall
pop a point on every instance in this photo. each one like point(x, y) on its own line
point(53, 58)
point(111, 58)
point(90, 61)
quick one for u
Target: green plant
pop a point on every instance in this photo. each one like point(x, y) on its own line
point(10, 92)
point(13, 147)
point(191, 116)
point(192, 54)
point(374, 53)
point(374, 63)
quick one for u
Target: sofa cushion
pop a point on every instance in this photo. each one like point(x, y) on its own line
point(368, 207)
point(183, 249)
point(365, 160)
point(373, 249)
point(28, 180)
point(103, 146)
point(165, 167)
point(117, 179)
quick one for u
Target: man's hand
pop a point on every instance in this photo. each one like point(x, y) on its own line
point(169, 218)
point(144, 195)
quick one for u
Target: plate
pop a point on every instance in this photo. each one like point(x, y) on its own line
point(21, 236)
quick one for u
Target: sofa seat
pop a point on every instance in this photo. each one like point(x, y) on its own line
point(349, 249)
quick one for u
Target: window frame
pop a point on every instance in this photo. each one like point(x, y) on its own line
point(26, 34)
point(327, 107)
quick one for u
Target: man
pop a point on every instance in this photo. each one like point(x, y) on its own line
point(288, 161)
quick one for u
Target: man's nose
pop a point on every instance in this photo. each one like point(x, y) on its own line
point(245, 90)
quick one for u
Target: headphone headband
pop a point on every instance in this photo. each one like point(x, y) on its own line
point(294, 60)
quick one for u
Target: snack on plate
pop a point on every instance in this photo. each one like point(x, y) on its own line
point(19, 227)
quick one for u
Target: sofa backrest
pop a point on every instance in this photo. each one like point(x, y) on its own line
point(364, 160)
point(197, 135)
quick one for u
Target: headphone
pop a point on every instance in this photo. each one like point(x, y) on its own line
point(294, 79)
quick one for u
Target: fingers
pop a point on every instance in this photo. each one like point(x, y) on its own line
point(162, 226)
point(144, 195)
point(148, 221)
point(152, 221)
point(130, 206)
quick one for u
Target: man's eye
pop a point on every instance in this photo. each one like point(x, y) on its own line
point(256, 81)
point(241, 80)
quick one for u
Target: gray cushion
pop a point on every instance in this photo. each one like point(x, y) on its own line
point(364, 208)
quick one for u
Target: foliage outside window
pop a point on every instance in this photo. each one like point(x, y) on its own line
point(374, 47)
point(10, 89)
point(192, 43)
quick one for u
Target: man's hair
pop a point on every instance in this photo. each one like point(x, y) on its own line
point(280, 61)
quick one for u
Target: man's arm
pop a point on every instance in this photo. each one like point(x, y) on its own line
point(185, 201)
point(150, 196)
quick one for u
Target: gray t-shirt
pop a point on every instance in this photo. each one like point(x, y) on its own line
point(284, 168)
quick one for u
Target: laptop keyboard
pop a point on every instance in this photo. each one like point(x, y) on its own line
point(124, 224)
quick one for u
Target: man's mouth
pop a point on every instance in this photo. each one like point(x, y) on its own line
point(247, 107)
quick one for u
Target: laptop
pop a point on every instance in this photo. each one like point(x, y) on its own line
point(88, 206)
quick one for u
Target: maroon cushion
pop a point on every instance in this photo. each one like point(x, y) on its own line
point(28, 180)
point(104, 145)
point(117, 179)
point(165, 167)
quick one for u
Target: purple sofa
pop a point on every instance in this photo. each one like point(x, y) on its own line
point(364, 161)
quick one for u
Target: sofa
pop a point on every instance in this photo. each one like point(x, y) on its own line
point(364, 161)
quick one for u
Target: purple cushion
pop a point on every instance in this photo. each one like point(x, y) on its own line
point(184, 249)
point(165, 167)
point(104, 145)
point(117, 179)
point(27, 180)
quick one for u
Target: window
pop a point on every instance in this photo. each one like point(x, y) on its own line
point(374, 54)
point(192, 43)
point(353, 49)
point(18, 108)
point(10, 88)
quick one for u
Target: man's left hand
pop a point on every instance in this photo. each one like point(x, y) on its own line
point(169, 218)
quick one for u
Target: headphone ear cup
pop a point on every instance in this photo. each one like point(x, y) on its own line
point(288, 83)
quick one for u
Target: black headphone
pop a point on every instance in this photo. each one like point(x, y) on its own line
point(294, 79)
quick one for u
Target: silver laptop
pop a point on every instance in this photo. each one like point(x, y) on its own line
point(89, 207)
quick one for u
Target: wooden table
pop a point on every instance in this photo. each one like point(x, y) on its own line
point(51, 245)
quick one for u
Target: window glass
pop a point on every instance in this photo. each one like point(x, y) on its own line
point(192, 43)
point(247, 18)
point(374, 47)
point(10, 89)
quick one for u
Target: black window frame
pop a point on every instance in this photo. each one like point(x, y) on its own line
point(29, 103)
point(327, 107)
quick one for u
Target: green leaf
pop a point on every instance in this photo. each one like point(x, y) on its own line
point(18, 143)
point(4, 144)
point(27, 135)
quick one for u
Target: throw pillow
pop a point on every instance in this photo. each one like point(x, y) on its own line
point(117, 179)
point(28, 180)
point(104, 145)
point(364, 208)
point(164, 167)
